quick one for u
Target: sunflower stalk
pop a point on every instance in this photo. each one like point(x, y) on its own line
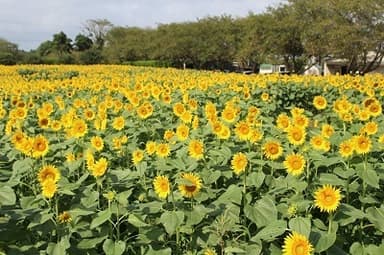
point(330, 219)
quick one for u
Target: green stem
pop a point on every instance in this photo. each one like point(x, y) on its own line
point(330, 223)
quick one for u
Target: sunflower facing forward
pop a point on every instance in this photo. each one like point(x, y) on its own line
point(162, 186)
point(327, 198)
point(272, 150)
point(297, 244)
point(190, 185)
point(294, 163)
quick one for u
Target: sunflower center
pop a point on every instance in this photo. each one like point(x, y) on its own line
point(41, 146)
point(328, 198)
point(273, 150)
point(297, 136)
point(190, 188)
point(296, 164)
point(299, 249)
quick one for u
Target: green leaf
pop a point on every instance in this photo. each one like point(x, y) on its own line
point(262, 213)
point(233, 250)
point(172, 220)
point(113, 248)
point(101, 217)
point(90, 243)
point(256, 179)
point(325, 241)
point(136, 221)
point(253, 249)
point(301, 225)
point(197, 215)
point(356, 249)
point(376, 216)
point(271, 231)
point(371, 178)
point(7, 196)
point(331, 179)
point(232, 194)
point(166, 251)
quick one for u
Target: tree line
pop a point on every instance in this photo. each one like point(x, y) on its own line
point(291, 33)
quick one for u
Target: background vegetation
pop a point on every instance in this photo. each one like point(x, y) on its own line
point(289, 34)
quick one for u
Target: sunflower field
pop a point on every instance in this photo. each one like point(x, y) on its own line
point(131, 160)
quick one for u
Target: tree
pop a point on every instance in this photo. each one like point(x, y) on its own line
point(45, 48)
point(347, 29)
point(61, 43)
point(97, 30)
point(8, 52)
point(82, 42)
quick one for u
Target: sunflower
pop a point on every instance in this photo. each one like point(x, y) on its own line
point(48, 172)
point(99, 167)
point(282, 121)
point(118, 123)
point(320, 102)
point(327, 130)
point(137, 156)
point(49, 188)
point(362, 144)
point(97, 143)
point(195, 122)
point(178, 109)
point(370, 128)
point(190, 185)
point(70, 157)
point(346, 148)
point(264, 96)
point(168, 134)
point(182, 132)
point(163, 150)
point(239, 162)
point(64, 217)
point(186, 117)
point(272, 150)
point(162, 186)
point(224, 133)
point(79, 128)
point(381, 139)
point(55, 125)
point(375, 109)
point(297, 244)
point(318, 142)
point(294, 163)
point(327, 198)
point(209, 251)
point(296, 135)
point(243, 130)
point(300, 121)
point(89, 114)
point(196, 149)
point(39, 146)
point(229, 114)
point(150, 147)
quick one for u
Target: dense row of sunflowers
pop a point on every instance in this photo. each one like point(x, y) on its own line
point(127, 160)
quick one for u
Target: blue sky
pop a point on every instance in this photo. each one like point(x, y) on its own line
point(30, 22)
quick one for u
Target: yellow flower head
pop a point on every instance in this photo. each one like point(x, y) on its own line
point(362, 144)
point(65, 217)
point(272, 150)
point(327, 130)
point(283, 121)
point(48, 172)
point(196, 149)
point(297, 244)
point(137, 156)
point(163, 150)
point(99, 167)
point(97, 143)
point(162, 186)
point(79, 128)
point(296, 135)
point(49, 188)
point(209, 251)
point(327, 198)
point(190, 185)
point(346, 148)
point(150, 147)
point(243, 130)
point(239, 162)
point(118, 123)
point(182, 132)
point(319, 102)
point(294, 163)
point(39, 146)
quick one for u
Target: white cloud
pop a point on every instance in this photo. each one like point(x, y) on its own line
point(28, 23)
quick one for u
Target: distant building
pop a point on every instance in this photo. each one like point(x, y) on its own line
point(270, 68)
